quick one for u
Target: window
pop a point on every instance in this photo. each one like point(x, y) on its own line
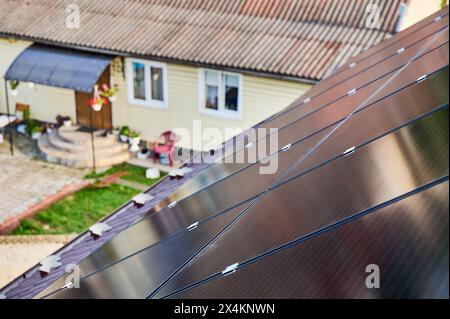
point(221, 93)
point(147, 83)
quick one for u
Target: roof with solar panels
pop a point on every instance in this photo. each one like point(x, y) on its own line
point(362, 180)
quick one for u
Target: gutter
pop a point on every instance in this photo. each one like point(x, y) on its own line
point(271, 75)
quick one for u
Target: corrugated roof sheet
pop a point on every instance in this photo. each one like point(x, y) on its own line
point(293, 38)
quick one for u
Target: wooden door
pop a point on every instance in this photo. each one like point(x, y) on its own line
point(101, 119)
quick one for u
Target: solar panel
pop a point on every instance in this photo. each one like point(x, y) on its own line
point(407, 240)
point(329, 194)
point(395, 142)
point(293, 217)
point(390, 113)
point(139, 274)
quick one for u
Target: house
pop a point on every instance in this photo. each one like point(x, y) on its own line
point(363, 184)
point(228, 64)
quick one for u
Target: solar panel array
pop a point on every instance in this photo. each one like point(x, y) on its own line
point(364, 181)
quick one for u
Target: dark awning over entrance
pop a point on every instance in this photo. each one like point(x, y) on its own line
point(58, 67)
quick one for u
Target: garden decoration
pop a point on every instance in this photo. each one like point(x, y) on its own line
point(97, 100)
point(14, 84)
point(109, 93)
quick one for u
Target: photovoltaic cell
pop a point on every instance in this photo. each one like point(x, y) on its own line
point(408, 242)
point(140, 274)
point(378, 172)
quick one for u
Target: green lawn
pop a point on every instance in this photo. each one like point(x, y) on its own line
point(78, 211)
point(134, 174)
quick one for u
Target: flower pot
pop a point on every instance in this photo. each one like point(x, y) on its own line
point(143, 155)
point(134, 148)
point(67, 123)
point(14, 92)
point(134, 140)
point(97, 107)
point(36, 135)
point(123, 138)
point(112, 98)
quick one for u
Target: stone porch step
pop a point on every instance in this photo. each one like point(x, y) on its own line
point(74, 135)
point(82, 156)
point(109, 148)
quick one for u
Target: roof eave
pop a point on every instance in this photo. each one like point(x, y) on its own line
point(252, 72)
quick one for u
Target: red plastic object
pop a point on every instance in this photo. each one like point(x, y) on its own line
point(165, 144)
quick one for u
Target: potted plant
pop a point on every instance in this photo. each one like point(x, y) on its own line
point(134, 140)
point(109, 93)
point(123, 134)
point(66, 121)
point(96, 103)
point(97, 100)
point(34, 128)
point(13, 84)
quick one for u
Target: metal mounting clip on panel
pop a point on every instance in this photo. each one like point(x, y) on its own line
point(230, 269)
point(306, 100)
point(247, 146)
point(68, 285)
point(349, 151)
point(352, 65)
point(172, 204)
point(192, 226)
point(351, 92)
point(422, 78)
point(400, 51)
point(286, 148)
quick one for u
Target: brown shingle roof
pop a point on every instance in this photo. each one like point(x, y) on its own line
point(293, 38)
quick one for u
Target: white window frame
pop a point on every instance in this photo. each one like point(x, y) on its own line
point(221, 111)
point(148, 102)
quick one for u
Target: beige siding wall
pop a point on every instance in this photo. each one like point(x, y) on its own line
point(420, 9)
point(45, 102)
point(262, 97)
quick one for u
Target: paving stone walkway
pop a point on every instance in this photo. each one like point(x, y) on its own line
point(25, 181)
